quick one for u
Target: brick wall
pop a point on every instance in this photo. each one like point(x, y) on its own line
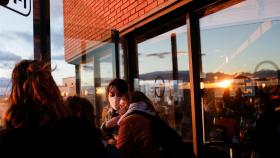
point(88, 21)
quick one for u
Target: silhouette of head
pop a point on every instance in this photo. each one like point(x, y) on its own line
point(80, 108)
point(35, 98)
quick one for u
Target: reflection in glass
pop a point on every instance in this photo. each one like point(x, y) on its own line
point(64, 73)
point(163, 74)
point(87, 84)
point(16, 43)
point(240, 63)
point(95, 75)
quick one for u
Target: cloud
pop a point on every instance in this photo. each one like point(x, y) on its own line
point(57, 40)
point(12, 35)
point(56, 8)
point(163, 54)
point(57, 57)
point(8, 56)
point(8, 60)
point(7, 65)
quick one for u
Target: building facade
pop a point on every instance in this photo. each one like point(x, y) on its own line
point(210, 67)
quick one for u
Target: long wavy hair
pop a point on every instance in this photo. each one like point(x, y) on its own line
point(35, 98)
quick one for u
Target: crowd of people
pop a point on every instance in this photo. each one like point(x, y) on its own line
point(39, 122)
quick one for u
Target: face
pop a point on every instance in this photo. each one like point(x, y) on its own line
point(114, 98)
point(258, 105)
point(123, 106)
point(114, 92)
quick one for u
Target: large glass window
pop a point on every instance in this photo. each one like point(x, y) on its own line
point(103, 73)
point(16, 43)
point(63, 72)
point(240, 47)
point(164, 78)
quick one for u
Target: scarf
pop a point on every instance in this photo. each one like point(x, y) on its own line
point(138, 106)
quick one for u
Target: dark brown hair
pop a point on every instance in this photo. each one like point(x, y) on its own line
point(80, 108)
point(35, 98)
point(138, 96)
point(120, 84)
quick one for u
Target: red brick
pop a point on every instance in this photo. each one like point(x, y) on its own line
point(132, 11)
point(150, 1)
point(141, 6)
point(160, 1)
point(92, 20)
point(132, 6)
point(141, 12)
point(133, 17)
point(151, 6)
point(125, 5)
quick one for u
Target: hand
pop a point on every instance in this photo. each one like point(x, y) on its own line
point(113, 122)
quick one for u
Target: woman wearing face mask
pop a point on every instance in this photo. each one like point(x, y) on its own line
point(115, 90)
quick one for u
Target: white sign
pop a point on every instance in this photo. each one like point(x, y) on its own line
point(22, 7)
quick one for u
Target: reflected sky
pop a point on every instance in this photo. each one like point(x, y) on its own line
point(62, 69)
point(233, 40)
point(16, 39)
point(238, 38)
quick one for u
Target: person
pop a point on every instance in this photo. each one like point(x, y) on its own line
point(265, 136)
point(114, 91)
point(36, 121)
point(81, 108)
point(35, 99)
point(134, 138)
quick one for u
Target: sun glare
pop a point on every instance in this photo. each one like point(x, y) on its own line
point(225, 83)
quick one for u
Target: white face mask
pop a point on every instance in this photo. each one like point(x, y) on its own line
point(115, 102)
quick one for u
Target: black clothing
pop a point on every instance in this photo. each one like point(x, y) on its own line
point(71, 137)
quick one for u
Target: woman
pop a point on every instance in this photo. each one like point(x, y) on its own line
point(35, 99)
point(114, 91)
point(135, 137)
point(36, 120)
point(82, 109)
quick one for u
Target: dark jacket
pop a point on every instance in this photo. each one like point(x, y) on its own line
point(68, 138)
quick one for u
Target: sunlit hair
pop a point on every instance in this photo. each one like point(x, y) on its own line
point(138, 96)
point(35, 98)
point(80, 108)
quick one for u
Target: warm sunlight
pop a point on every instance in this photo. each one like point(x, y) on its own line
point(100, 90)
point(224, 83)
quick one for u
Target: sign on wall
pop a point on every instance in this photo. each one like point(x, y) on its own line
point(22, 7)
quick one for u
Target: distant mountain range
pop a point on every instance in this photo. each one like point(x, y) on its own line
point(167, 75)
point(184, 75)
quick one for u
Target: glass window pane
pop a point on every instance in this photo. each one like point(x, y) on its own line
point(103, 74)
point(86, 76)
point(63, 73)
point(95, 74)
point(16, 43)
point(165, 79)
point(240, 47)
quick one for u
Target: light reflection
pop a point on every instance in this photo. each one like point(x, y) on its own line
point(100, 90)
point(224, 83)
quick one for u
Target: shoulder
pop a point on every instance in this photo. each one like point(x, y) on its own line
point(134, 119)
point(107, 107)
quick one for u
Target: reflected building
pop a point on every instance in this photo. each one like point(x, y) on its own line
point(68, 87)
